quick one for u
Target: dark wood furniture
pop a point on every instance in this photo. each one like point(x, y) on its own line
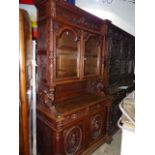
point(73, 111)
point(120, 63)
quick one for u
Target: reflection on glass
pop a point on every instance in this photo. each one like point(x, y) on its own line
point(66, 59)
point(90, 57)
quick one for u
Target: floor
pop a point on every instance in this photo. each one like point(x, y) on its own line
point(111, 149)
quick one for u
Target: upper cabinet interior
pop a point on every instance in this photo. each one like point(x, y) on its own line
point(91, 56)
point(67, 54)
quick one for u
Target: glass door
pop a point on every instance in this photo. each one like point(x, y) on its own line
point(66, 55)
point(91, 56)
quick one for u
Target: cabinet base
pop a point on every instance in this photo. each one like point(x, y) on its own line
point(96, 145)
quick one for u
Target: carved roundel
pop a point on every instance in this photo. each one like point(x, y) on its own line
point(72, 140)
point(96, 126)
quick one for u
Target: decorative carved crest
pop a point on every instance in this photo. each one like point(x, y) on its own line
point(95, 87)
point(47, 97)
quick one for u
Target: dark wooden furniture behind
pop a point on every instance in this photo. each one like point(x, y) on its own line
point(73, 111)
point(120, 63)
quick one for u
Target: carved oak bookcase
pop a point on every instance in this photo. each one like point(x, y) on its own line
point(72, 109)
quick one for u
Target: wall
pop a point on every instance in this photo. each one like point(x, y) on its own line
point(120, 12)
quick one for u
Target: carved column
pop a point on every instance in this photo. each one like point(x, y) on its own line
point(49, 98)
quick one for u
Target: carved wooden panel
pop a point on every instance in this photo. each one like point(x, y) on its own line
point(69, 90)
point(42, 36)
point(96, 126)
point(95, 86)
point(72, 140)
point(75, 18)
point(44, 136)
point(42, 61)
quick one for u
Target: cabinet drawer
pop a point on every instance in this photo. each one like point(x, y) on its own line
point(74, 116)
point(97, 107)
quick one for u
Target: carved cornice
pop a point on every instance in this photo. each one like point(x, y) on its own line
point(74, 19)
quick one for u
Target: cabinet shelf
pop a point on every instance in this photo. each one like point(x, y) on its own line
point(74, 55)
point(67, 48)
point(91, 55)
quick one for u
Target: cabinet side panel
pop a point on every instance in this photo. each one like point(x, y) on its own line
point(44, 139)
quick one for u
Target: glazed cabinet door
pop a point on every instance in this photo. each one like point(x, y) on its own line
point(67, 54)
point(92, 55)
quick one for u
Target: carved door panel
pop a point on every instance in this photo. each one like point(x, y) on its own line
point(97, 126)
point(73, 139)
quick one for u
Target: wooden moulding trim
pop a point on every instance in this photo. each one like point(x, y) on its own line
point(86, 106)
point(48, 123)
point(59, 19)
point(68, 80)
point(46, 112)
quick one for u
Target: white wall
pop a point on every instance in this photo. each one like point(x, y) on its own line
point(120, 12)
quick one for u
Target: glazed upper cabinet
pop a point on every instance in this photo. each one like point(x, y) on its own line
point(70, 45)
point(77, 58)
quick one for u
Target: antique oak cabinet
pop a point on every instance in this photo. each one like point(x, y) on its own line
point(72, 109)
point(119, 72)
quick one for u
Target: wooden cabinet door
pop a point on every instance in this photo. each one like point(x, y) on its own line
point(67, 54)
point(73, 139)
point(92, 55)
point(97, 126)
